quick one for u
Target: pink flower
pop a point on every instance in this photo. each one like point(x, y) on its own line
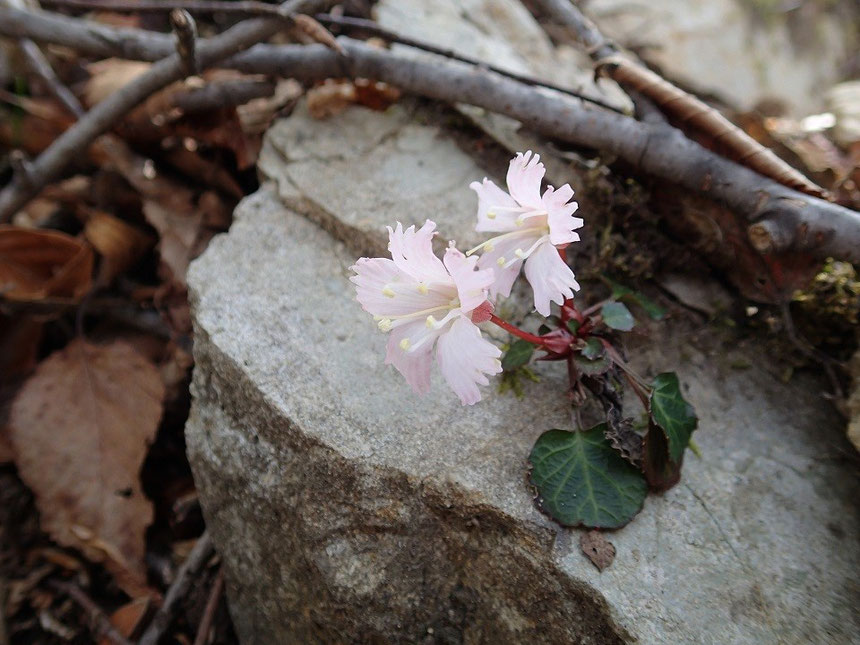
point(423, 301)
point(532, 227)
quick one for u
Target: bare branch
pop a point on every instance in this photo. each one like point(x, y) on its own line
point(39, 65)
point(103, 116)
point(184, 577)
point(371, 27)
point(655, 148)
point(687, 111)
point(304, 22)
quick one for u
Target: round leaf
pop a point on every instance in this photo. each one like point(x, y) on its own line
point(582, 481)
point(672, 413)
point(518, 355)
point(617, 316)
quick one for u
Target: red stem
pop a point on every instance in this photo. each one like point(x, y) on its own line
point(537, 340)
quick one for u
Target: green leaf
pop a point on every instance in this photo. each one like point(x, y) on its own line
point(582, 481)
point(672, 413)
point(620, 292)
point(573, 326)
point(617, 316)
point(593, 349)
point(518, 355)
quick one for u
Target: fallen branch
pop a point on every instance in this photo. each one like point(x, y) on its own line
point(50, 164)
point(178, 590)
point(374, 29)
point(687, 111)
point(657, 149)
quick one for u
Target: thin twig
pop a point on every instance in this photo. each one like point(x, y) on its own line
point(103, 116)
point(243, 7)
point(100, 623)
point(211, 605)
point(375, 29)
point(819, 227)
point(40, 66)
point(184, 577)
point(185, 28)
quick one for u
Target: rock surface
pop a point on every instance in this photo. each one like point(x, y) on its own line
point(348, 510)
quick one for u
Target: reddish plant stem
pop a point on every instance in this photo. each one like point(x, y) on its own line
point(516, 331)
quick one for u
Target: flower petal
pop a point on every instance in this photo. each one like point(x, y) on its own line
point(525, 173)
point(465, 357)
point(551, 279)
point(413, 364)
point(502, 251)
point(560, 215)
point(472, 285)
point(383, 290)
point(412, 252)
point(497, 211)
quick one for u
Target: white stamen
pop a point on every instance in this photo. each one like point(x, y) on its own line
point(388, 291)
point(404, 344)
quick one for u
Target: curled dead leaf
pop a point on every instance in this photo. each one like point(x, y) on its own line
point(38, 264)
point(120, 244)
point(81, 427)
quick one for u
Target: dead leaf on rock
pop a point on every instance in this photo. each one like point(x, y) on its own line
point(597, 548)
point(37, 264)
point(81, 426)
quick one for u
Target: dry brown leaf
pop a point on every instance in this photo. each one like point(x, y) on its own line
point(597, 548)
point(182, 237)
point(80, 427)
point(128, 619)
point(109, 75)
point(334, 96)
point(120, 244)
point(37, 264)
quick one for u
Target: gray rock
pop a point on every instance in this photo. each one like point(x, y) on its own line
point(744, 51)
point(347, 509)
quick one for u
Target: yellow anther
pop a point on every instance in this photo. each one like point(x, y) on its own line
point(404, 344)
point(384, 324)
point(488, 247)
point(501, 261)
point(491, 215)
point(520, 221)
point(431, 322)
point(388, 291)
point(519, 253)
point(422, 288)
